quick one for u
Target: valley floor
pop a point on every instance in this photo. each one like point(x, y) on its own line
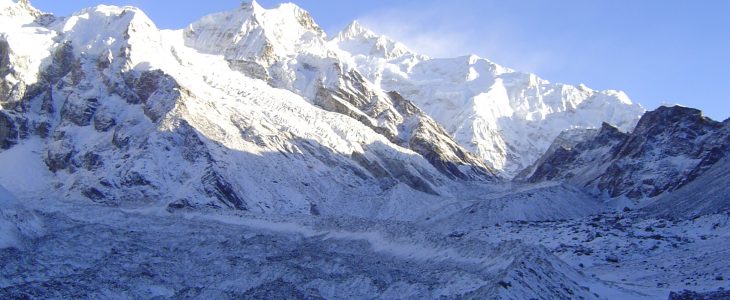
point(93, 251)
point(652, 256)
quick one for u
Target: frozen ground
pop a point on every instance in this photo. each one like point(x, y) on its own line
point(93, 251)
point(654, 256)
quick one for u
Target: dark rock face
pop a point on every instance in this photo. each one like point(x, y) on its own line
point(389, 173)
point(134, 179)
point(670, 147)
point(550, 169)
point(58, 159)
point(337, 101)
point(79, 111)
point(217, 187)
point(103, 122)
point(156, 90)
point(9, 92)
point(564, 142)
point(63, 61)
point(192, 146)
point(5, 66)
point(430, 140)
point(373, 167)
point(43, 129)
point(120, 139)
point(91, 161)
point(565, 157)
point(404, 124)
point(250, 68)
point(8, 131)
point(93, 194)
point(663, 142)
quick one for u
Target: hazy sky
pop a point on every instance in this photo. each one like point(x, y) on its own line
point(658, 51)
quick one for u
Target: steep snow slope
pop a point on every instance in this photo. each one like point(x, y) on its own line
point(669, 148)
point(709, 193)
point(20, 65)
point(285, 47)
point(131, 116)
point(506, 117)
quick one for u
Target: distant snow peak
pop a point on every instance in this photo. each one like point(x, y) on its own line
point(507, 118)
point(253, 34)
point(18, 8)
point(124, 28)
point(439, 109)
point(355, 30)
point(290, 11)
point(358, 40)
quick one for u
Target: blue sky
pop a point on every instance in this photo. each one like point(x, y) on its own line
point(659, 52)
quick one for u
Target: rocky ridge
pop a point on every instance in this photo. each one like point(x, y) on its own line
point(669, 148)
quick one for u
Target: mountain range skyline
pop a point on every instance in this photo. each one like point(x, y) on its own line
point(643, 50)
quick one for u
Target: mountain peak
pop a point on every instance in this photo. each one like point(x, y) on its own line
point(358, 40)
point(355, 30)
point(255, 33)
point(249, 4)
point(665, 116)
point(124, 26)
point(288, 15)
point(21, 8)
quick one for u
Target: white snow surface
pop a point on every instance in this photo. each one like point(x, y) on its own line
point(508, 118)
point(297, 156)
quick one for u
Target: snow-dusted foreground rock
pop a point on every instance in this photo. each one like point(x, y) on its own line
point(653, 255)
point(92, 250)
point(100, 252)
point(18, 224)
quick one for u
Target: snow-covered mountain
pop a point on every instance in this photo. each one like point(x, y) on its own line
point(250, 155)
point(508, 118)
point(669, 148)
point(285, 47)
point(132, 115)
point(161, 80)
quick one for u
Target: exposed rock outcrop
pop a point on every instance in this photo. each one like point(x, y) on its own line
point(670, 147)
